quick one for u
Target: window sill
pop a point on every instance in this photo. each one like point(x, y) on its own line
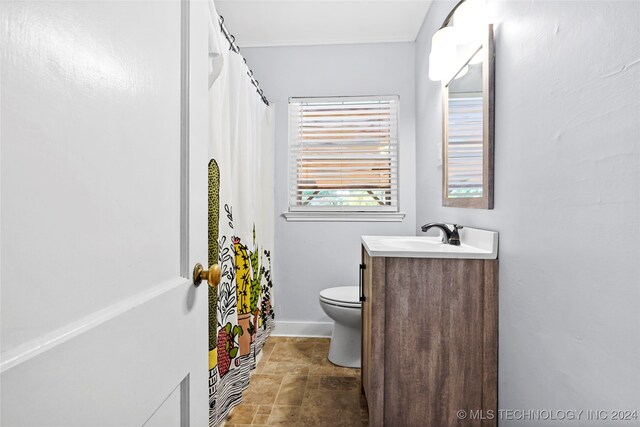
point(344, 216)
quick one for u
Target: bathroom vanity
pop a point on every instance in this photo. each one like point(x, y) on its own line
point(430, 330)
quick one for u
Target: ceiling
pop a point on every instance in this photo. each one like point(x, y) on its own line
point(313, 22)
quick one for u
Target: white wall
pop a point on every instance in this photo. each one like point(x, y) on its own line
point(309, 257)
point(567, 198)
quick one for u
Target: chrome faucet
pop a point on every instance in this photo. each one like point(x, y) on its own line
point(449, 237)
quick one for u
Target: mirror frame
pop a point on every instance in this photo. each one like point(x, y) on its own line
point(488, 109)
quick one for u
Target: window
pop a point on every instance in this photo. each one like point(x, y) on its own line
point(343, 154)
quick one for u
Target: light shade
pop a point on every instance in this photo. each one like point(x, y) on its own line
point(443, 53)
point(470, 20)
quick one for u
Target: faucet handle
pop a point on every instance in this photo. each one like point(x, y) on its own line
point(455, 237)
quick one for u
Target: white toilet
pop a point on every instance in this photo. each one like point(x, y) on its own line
point(342, 304)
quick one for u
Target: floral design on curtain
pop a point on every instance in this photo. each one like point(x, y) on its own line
point(243, 319)
point(241, 223)
point(242, 290)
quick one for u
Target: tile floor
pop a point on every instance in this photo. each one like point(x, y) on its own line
point(294, 384)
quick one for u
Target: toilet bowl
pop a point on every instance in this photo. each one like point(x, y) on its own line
point(342, 304)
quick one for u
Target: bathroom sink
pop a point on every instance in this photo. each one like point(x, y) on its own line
point(475, 244)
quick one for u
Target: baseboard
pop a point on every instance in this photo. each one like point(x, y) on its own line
point(302, 329)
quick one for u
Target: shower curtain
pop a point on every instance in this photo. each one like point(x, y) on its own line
point(241, 224)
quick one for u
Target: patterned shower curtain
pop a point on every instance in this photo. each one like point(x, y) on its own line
point(241, 224)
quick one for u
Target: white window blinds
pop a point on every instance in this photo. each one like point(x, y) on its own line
point(343, 154)
point(465, 145)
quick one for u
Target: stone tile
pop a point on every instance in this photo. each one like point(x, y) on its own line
point(322, 345)
point(294, 368)
point(338, 383)
point(303, 343)
point(242, 414)
point(325, 416)
point(343, 399)
point(260, 419)
point(291, 390)
point(263, 389)
point(266, 368)
point(285, 416)
point(322, 367)
point(346, 372)
point(294, 384)
point(313, 382)
point(293, 352)
point(264, 409)
point(267, 348)
point(288, 355)
point(311, 340)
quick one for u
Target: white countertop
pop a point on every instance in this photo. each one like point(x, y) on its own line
point(475, 244)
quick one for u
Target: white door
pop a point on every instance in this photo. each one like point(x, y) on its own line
point(103, 213)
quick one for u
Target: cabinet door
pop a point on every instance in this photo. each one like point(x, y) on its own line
point(373, 321)
point(365, 284)
point(434, 341)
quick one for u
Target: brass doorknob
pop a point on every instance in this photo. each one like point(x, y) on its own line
point(212, 276)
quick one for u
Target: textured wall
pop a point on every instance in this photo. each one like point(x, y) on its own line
point(567, 197)
point(309, 257)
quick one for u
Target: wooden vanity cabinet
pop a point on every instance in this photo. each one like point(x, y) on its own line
point(429, 341)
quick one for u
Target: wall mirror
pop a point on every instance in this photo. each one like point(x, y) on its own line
point(468, 116)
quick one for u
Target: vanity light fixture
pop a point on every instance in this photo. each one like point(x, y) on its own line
point(462, 29)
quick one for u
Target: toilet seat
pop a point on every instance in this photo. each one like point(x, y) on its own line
point(342, 296)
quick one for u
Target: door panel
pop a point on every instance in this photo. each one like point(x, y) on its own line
point(169, 413)
point(90, 157)
point(116, 374)
point(104, 177)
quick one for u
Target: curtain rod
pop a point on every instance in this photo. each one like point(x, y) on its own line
point(234, 47)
